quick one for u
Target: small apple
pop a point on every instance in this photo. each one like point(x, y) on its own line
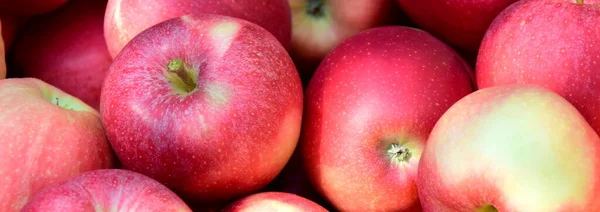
point(127, 18)
point(370, 107)
point(208, 105)
point(273, 201)
point(511, 148)
point(554, 44)
point(46, 136)
point(66, 48)
point(29, 7)
point(107, 190)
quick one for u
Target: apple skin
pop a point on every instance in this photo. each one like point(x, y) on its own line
point(66, 48)
point(127, 18)
point(107, 190)
point(515, 147)
point(29, 7)
point(460, 23)
point(273, 201)
point(227, 138)
point(555, 44)
point(383, 86)
point(43, 143)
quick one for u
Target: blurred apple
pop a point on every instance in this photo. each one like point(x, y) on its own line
point(273, 202)
point(66, 48)
point(208, 105)
point(107, 190)
point(127, 18)
point(511, 148)
point(47, 136)
point(370, 107)
point(29, 7)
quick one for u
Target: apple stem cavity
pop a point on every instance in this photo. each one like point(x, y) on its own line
point(315, 8)
point(399, 153)
point(183, 79)
point(487, 208)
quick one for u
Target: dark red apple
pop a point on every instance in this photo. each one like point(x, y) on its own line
point(29, 7)
point(554, 44)
point(66, 48)
point(107, 190)
point(369, 110)
point(273, 201)
point(209, 105)
point(127, 18)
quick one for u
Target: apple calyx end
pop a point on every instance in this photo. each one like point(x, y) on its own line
point(315, 8)
point(180, 76)
point(399, 153)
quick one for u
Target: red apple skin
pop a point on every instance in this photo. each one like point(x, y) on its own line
point(383, 86)
point(508, 146)
point(229, 137)
point(554, 44)
point(29, 7)
point(273, 201)
point(74, 56)
point(106, 190)
point(460, 23)
point(127, 18)
point(43, 143)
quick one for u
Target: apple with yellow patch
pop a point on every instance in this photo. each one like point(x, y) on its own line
point(511, 148)
point(274, 201)
point(208, 105)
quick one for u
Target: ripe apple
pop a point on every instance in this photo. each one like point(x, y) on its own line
point(320, 25)
point(107, 190)
point(554, 44)
point(127, 18)
point(461, 23)
point(511, 148)
point(370, 107)
point(47, 136)
point(208, 105)
point(273, 201)
point(66, 48)
point(29, 7)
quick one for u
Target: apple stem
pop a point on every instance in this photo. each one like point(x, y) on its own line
point(315, 8)
point(399, 153)
point(579, 1)
point(178, 67)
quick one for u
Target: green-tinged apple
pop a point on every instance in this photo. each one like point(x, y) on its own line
point(461, 23)
point(107, 190)
point(29, 7)
point(46, 136)
point(66, 48)
point(127, 18)
point(209, 105)
point(275, 202)
point(369, 110)
point(318, 26)
point(554, 44)
point(511, 148)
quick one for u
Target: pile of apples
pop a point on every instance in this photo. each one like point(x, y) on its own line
point(300, 105)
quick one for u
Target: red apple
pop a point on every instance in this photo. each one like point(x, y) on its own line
point(47, 136)
point(461, 23)
point(370, 107)
point(208, 105)
point(554, 44)
point(107, 190)
point(29, 7)
point(511, 148)
point(127, 18)
point(66, 48)
point(273, 201)
point(318, 26)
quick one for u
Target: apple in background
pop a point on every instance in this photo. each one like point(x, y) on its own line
point(460, 23)
point(127, 18)
point(66, 48)
point(47, 136)
point(273, 201)
point(554, 44)
point(369, 109)
point(29, 7)
point(318, 26)
point(208, 105)
point(511, 148)
point(107, 190)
